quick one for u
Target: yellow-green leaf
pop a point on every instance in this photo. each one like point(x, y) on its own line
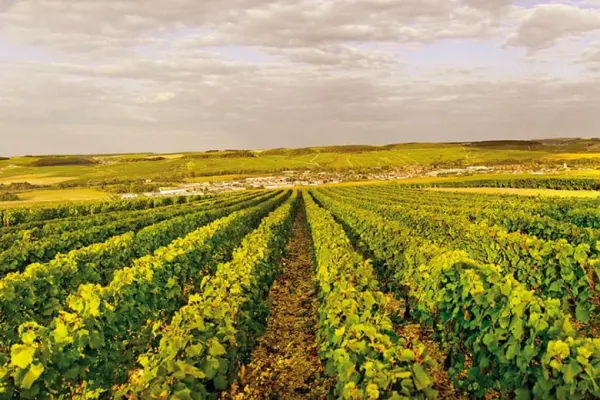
point(421, 378)
point(32, 375)
point(216, 349)
point(61, 334)
point(21, 355)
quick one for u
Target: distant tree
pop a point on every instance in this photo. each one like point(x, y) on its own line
point(55, 161)
point(9, 197)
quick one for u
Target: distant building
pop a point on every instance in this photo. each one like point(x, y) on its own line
point(446, 172)
point(478, 168)
point(126, 196)
point(172, 192)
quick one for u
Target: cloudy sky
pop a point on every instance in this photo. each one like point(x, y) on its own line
point(173, 75)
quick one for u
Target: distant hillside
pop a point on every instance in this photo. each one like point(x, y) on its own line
point(511, 145)
point(574, 145)
point(550, 145)
point(119, 169)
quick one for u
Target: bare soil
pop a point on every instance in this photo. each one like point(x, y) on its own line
point(285, 364)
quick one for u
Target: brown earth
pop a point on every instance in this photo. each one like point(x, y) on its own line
point(285, 364)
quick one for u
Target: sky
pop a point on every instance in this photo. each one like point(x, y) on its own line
point(104, 76)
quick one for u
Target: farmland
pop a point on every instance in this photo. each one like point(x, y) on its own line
point(46, 179)
point(98, 169)
point(522, 192)
point(358, 292)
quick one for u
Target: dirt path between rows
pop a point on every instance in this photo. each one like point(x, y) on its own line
point(285, 364)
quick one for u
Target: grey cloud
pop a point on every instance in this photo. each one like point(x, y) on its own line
point(341, 56)
point(290, 108)
point(304, 24)
point(154, 75)
point(98, 25)
point(590, 60)
point(5, 5)
point(549, 22)
point(592, 55)
point(490, 5)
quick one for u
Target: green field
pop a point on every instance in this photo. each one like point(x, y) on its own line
point(51, 196)
point(128, 167)
point(36, 179)
point(523, 192)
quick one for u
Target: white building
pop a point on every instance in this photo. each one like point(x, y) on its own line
point(172, 192)
point(478, 168)
point(454, 171)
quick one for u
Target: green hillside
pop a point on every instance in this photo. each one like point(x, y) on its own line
point(102, 169)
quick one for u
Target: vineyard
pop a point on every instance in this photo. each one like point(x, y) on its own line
point(352, 292)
